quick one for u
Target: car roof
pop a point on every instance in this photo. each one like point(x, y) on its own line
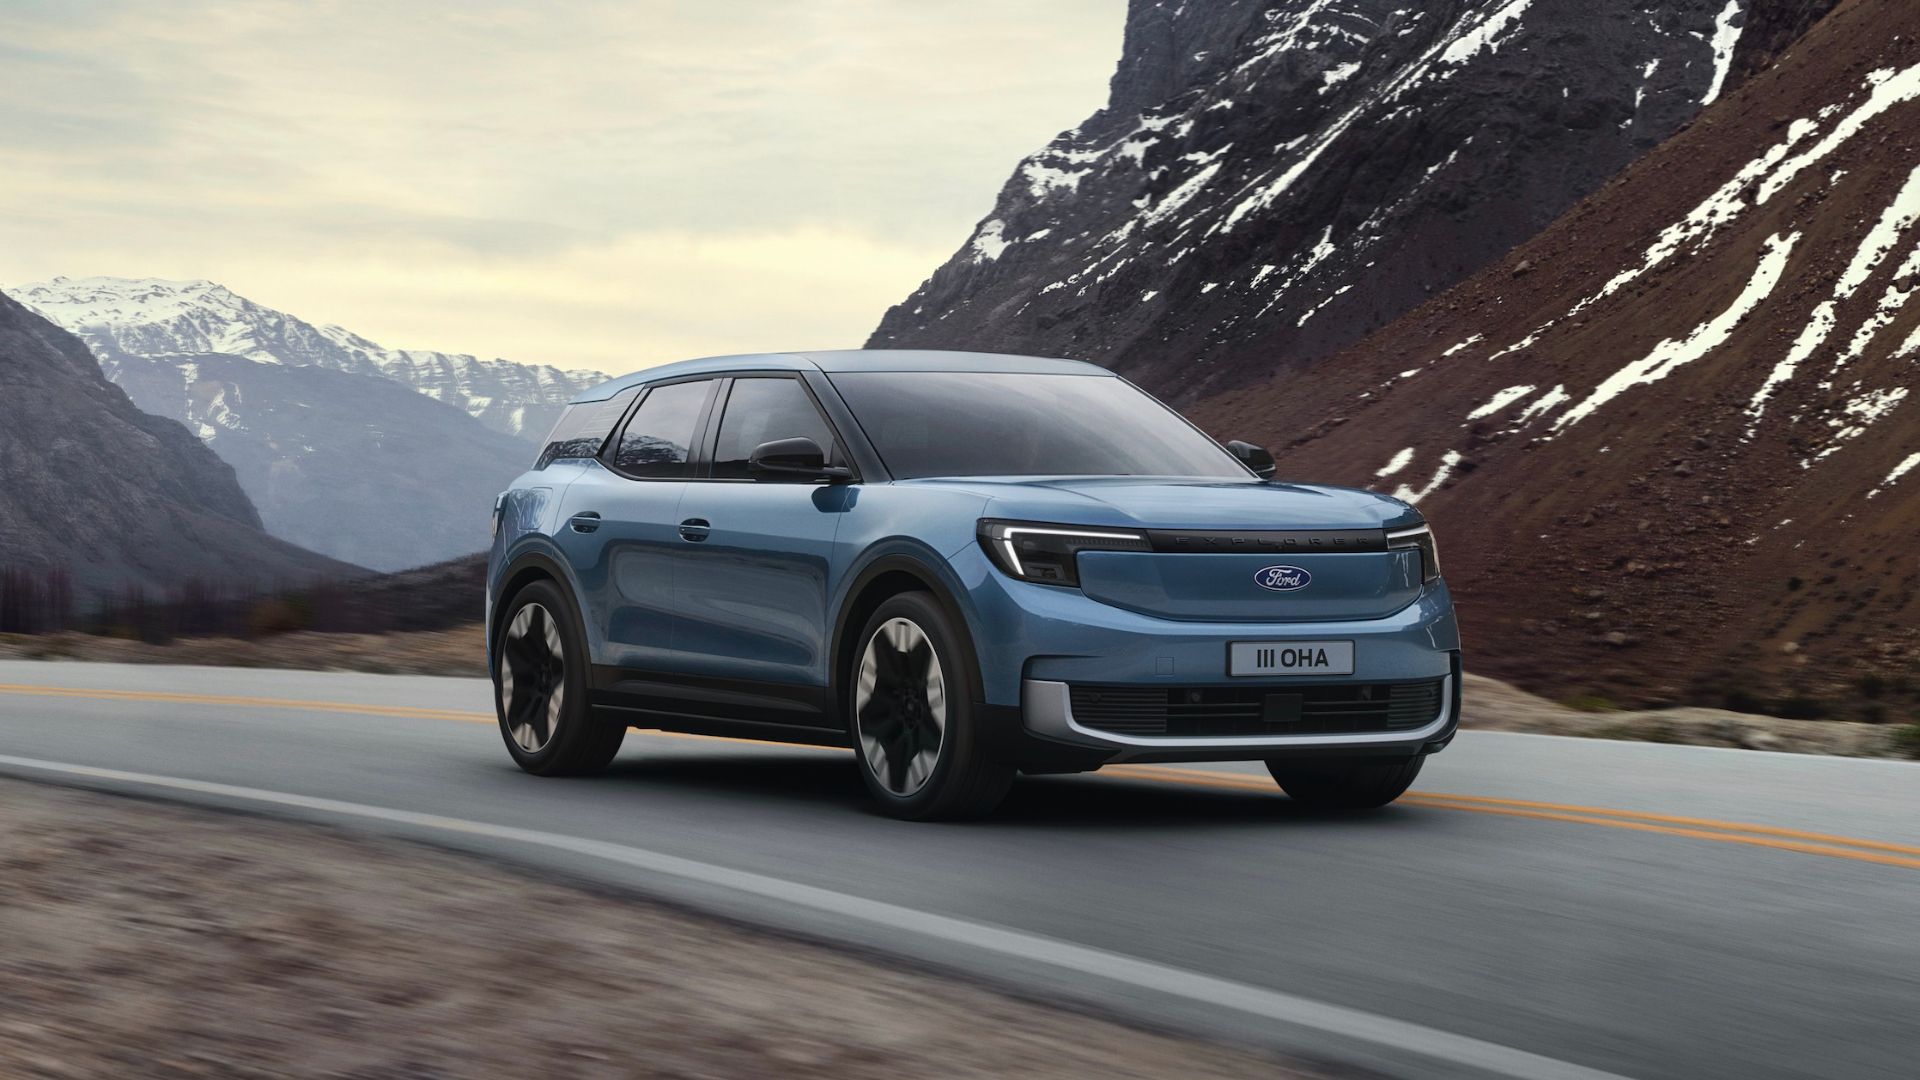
point(841, 360)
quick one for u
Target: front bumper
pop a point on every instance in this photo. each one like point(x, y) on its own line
point(1036, 641)
point(1046, 713)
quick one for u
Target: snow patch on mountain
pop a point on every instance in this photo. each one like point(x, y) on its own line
point(1400, 461)
point(1485, 35)
point(1906, 466)
point(1500, 401)
point(1708, 336)
point(1897, 218)
point(1726, 35)
point(989, 242)
point(1753, 185)
point(1448, 461)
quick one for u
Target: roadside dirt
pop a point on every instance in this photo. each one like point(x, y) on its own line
point(1491, 705)
point(461, 651)
point(140, 939)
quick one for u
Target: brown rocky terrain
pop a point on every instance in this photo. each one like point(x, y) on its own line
point(1670, 444)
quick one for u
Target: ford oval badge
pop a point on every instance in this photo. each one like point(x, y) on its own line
point(1282, 578)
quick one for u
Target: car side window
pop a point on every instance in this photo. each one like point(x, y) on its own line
point(583, 429)
point(658, 440)
point(761, 410)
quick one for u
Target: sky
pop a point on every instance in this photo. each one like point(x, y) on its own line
point(606, 185)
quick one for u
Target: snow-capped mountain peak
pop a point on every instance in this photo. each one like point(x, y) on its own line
point(333, 436)
point(123, 319)
point(197, 316)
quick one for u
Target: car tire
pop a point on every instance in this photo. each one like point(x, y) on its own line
point(540, 668)
point(916, 733)
point(1345, 783)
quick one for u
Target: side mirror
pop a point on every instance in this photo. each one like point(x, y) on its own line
point(1253, 457)
point(793, 459)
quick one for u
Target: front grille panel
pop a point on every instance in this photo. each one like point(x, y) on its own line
point(1204, 711)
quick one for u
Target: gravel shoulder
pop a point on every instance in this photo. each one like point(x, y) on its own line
point(1491, 705)
point(139, 938)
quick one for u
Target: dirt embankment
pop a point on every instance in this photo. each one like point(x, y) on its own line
point(461, 651)
point(1491, 705)
point(139, 939)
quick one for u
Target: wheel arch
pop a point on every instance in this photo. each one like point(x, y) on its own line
point(882, 579)
point(526, 568)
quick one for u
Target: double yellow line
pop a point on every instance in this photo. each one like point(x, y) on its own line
point(1723, 832)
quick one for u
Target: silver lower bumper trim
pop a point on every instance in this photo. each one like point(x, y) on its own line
point(1047, 709)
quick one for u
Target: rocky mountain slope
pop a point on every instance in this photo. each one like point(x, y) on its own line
point(144, 317)
point(1270, 180)
point(1671, 445)
point(93, 488)
point(383, 458)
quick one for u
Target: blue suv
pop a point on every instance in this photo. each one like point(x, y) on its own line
point(962, 566)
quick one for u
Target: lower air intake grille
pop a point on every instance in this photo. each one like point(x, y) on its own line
point(1189, 711)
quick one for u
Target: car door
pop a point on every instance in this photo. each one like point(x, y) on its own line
point(619, 526)
point(752, 581)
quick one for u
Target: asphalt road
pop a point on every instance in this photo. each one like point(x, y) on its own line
point(1536, 907)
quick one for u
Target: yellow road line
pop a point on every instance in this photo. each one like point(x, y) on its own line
point(1853, 853)
point(1726, 832)
point(1729, 832)
point(256, 702)
point(1482, 801)
point(1477, 802)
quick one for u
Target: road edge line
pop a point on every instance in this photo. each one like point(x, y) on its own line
point(1337, 1020)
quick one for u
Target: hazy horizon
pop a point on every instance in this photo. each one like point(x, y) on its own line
point(585, 187)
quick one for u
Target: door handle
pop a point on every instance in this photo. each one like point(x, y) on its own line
point(695, 530)
point(584, 522)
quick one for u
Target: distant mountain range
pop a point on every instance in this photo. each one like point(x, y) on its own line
point(147, 318)
point(382, 457)
point(94, 489)
point(1269, 182)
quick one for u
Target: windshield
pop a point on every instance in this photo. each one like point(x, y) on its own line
point(963, 423)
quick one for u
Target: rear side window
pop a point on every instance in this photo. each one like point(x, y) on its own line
point(583, 429)
point(659, 439)
point(760, 411)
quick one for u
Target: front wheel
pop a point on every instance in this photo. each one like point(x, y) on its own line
point(916, 733)
point(540, 688)
point(1345, 783)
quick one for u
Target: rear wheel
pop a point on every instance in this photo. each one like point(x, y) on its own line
point(916, 734)
point(1345, 783)
point(540, 688)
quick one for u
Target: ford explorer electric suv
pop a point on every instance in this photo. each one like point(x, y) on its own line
point(963, 566)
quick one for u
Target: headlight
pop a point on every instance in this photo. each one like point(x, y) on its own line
point(1034, 551)
point(1419, 536)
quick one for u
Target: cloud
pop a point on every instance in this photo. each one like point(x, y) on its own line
point(367, 162)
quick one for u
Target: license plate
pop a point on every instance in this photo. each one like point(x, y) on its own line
point(1290, 658)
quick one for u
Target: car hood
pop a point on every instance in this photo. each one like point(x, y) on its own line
point(1162, 502)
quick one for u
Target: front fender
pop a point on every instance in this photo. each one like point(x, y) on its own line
point(524, 520)
point(914, 558)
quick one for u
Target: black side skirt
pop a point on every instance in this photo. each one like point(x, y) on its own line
point(701, 705)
